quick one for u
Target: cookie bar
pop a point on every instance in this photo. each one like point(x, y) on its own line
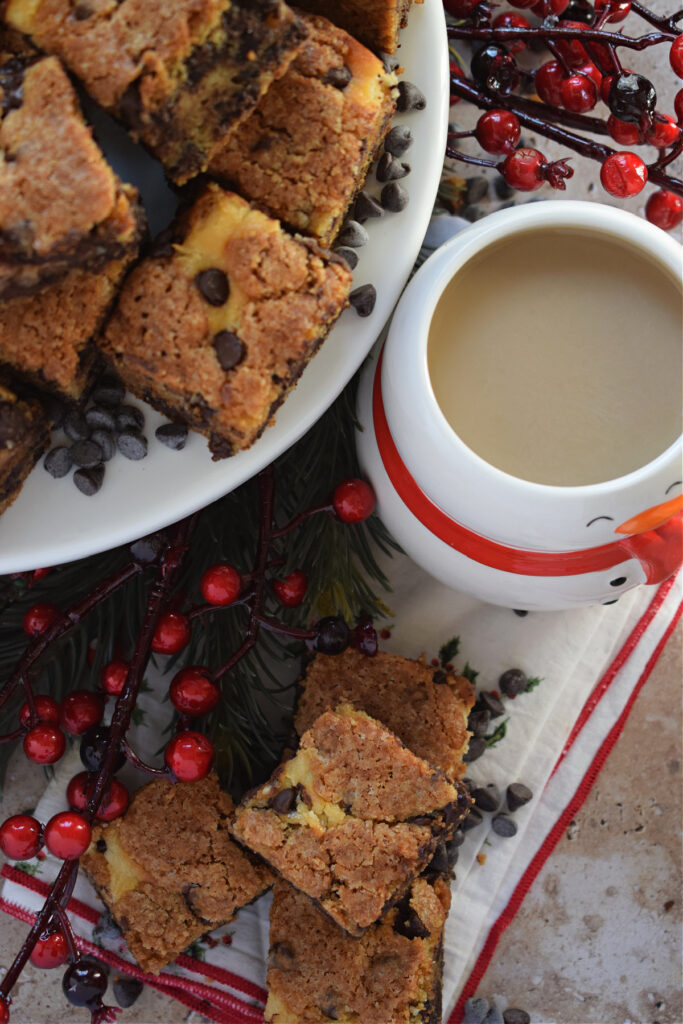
point(61, 205)
point(376, 23)
point(216, 326)
point(390, 975)
point(24, 436)
point(426, 708)
point(168, 870)
point(178, 75)
point(305, 150)
point(352, 818)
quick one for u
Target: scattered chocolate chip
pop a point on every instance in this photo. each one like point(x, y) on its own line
point(353, 234)
point(129, 417)
point(229, 350)
point(107, 443)
point(399, 140)
point(214, 286)
point(514, 1016)
point(494, 1016)
point(330, 1007)
point(106, 927)
point(338, 77)
point(478, 721)
point(390, 169)
point(422, 822)
point(456, 840)
point(281, 956)
point(132, 445)
point(58, 462)
point(439, 861)
point(173, 435)
point(283, 801)
point(521, 612)
point(513, 682)
point(75, 426)
point(126, 990)
point(86, 454)
point(100, 418)
point(365, 207)
point(472, 213)
point(147, 549)
point(487, 798)
point(410, 97)
point(350, 255)
point(503, 190)
point(453, 857)
point(89, 481)
point(101, 847)
point(390, 62)
point(394, 197)
point(108, 391)
point(503, 826)
point(475, 189)
point(410, 925)
point(475, 750)
point(517, 795)
point(488, 700)
point(613, 601)
point(55, 410)
point(476, 1010)
point(363, 299)
point(473, 819)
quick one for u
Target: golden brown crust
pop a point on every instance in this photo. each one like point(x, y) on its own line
point(376, 23)
point(24, 436)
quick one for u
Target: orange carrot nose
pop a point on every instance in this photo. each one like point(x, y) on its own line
point(653, 517)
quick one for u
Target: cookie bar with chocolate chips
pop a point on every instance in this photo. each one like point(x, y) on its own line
point(169, 871)
point(352, 818)
point(376, 23)
point(24, 435)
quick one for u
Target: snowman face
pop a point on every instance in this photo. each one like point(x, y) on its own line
point(605, 528)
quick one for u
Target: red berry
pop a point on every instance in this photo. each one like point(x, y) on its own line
point(220, 585)
point(522, 4)
point(20, 837)
point(618, 9)
point(44, 743)
point(291, 591)
point(4, 1011)
point(511, 20)
point(664, 209)
point(67, 835)
point(676, 55)
point(545, 8)
point(579, 93)
point(664, 132)
point(189, 756)
point(80, 710)
point(40, 574)
point(353, 501)
point(50, 951)
point(591, 71)
point(113, 677)
point(78, 789)
point(114, 802)
point(623, 175)
point(678, 106)
point(623, 132)
point(522, 169)
point(460, 8)
point(39, 617)
point(497, 131)
point(548, 81)
point(193, 693)
point(571, 49)
point(605, 87)
point(47, 710)
point(172, 633)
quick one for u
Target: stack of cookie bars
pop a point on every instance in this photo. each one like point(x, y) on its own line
point(266, 118)
point(353, 831)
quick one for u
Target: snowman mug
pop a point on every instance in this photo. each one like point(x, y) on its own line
point(475, 527)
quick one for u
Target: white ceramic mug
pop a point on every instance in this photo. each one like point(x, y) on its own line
point(507, 540)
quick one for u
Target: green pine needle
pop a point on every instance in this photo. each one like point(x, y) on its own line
point(498, 734)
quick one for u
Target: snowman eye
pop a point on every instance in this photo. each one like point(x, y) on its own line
point(676, 483)
point(599, 517)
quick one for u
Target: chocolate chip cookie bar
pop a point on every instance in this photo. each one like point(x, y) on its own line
point(168, 870)
point(426, 708)
point(61, 205)
point(352, 818)
point(376, 23)
point(24, 435)
point(216, 326)
point(178, 75)
point(390, 975)
point(304, 152)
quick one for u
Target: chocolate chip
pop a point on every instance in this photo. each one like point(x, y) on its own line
point(130, 106)
point(439, 861)
point(476, 189)
point(399, 140)
point(353, 234)
point(494, 1016)
point(456, 840)
point(491, 703)
point(475, 750)
point(106, 927)
point(304, 795)
point(132, 445)
point(75, 426)
point(89, 481)
point(338, 77)
point(58, 462)
point(214, 286)
point(503, 190)
point(521, 612)
point(504, 826)
point(410, 926)
point(422, 822)
point(81, 12)
point(100, 418)
point(108, 391)
point(173, 435)
point(230, 351)
point(394, 197)
point(129, 417)
point(487, 798)
point(147, 549)
point(513, 682)
point(514, 1016)
point(366, 207)
point(472, 213)
point(363, 299)
point(349, 255)
point(439, 677)
point(473, 819)
point(390, 169)
point(478, 721)
point(330, 1007)
point(86, 454)
point(517, 795)
point(476, 1010)
point(390, 62)
point(126, 990)
point(281, 956)
point(107, 443)
point(410, 97)
point(283, 801)
point(101, 847)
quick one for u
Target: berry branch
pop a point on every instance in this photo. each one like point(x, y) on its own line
point(549, 34)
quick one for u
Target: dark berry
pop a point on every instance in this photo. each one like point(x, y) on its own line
point(494, 69)
point(81, 709)
point(67, 835)
point(332, 635)
point(50, 951)
point(623, 174)
point(85, 982)
point(47, 710)
point(93, 748)
point(44, 744)
point(113, 677)
point(631, 97)
point(39, 617)
point(189, 756)
point(498, 131)
point(292, 589)
point(172, 633)
point(20, 837)
point(353, 501)
point(664, 209)
point(192, 692)
point(220, 585)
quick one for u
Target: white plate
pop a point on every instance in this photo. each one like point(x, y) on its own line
point(51, 522)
